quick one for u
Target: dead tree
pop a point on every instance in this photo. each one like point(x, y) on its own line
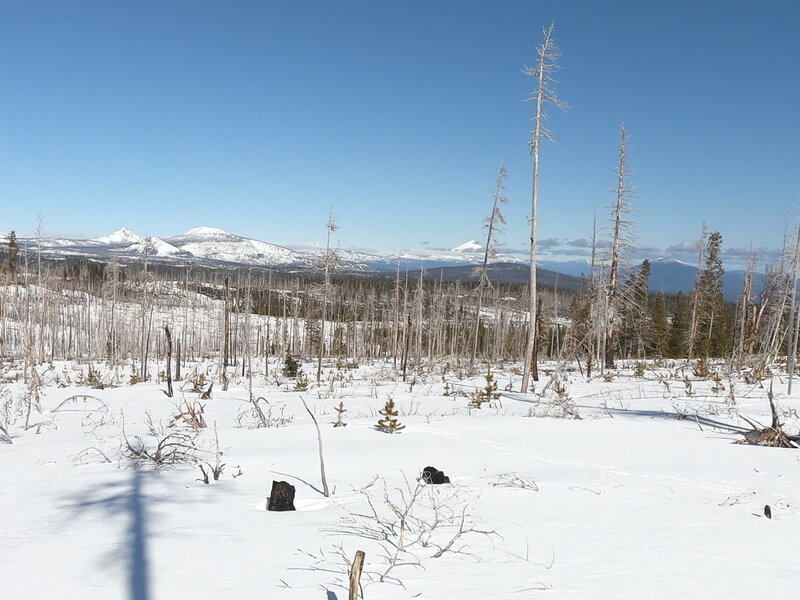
point(493, 223)
point(622, 192)
point(543, 73)
point(772, 435)
point(168, 336)
point(330, 226)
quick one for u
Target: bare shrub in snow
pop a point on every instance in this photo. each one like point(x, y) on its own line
point(263, 413)
point(162, 445)
point(516, 480)
point(556, 401)
point(218, 467)
point(189, 413)
point(412, 522)
point(5, 416)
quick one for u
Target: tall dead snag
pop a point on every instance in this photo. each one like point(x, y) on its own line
point(623, 192)
point(543, 74)
point(330, 259)
point(226, 334)
point(493, 223)
point(696, 297)
point(169, 360)
point(791, 328)
point(742, 333)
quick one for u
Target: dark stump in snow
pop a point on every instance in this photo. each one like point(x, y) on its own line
point(434, 475)
point(282, 496)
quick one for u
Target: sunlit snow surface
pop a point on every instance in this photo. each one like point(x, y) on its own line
point(632, 502)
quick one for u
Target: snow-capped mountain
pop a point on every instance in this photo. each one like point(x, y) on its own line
point(155, 246)
point(203, 244)
point(213, 243)
point(470, 246)
point(214, 246)
point(121, 237)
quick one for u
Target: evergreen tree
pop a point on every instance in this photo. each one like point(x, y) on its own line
point(679, 331)
point(633, 327)
point(11, 256)
point(658, 334)
point(713, 337)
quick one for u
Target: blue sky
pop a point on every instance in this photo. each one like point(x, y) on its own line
point(256, 117)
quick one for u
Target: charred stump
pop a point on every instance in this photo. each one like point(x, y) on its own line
point(282, 496)
point(434, 476)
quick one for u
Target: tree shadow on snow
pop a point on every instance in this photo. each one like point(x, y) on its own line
point(663, 414)
point(125, 499)
point(119, 499)
point(303, 481)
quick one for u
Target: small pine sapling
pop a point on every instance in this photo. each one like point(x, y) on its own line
point(340, 410)
point(290, 366)
point(301, 381)
point(389, 423)
point(485, 394)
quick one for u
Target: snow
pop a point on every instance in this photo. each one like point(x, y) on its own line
point(155, 247)
point(206, 231)
point(631, 501)
point(470, 246)
point(121, 237)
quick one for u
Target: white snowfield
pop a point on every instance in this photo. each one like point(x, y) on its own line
point(645, 496)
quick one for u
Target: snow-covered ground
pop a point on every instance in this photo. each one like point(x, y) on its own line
point(645, 495)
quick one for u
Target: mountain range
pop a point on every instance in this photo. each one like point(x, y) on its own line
point(214, 246)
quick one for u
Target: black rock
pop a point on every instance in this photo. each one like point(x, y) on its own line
point(434, 476)
point(282, 496)
point(767, 511)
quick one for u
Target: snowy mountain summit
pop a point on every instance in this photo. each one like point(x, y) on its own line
point(213, 243)
point(470, 246)
point(121, 237)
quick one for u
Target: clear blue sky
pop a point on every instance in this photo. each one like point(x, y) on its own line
point(257, 116)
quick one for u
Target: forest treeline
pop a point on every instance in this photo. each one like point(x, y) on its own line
point(105, 310)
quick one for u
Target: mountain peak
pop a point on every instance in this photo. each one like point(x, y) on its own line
point(470, 246)
point(121, 236)
point(206, 231)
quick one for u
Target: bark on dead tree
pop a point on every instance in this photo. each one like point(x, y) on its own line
point(620, 208)
point(355, 575)
point(543, 73)
point(281, 498)
point(169, 360)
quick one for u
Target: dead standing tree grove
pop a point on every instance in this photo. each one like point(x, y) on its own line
point(543, 74)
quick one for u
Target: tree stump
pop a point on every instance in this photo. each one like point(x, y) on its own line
point(434, 476)
point(282, 496)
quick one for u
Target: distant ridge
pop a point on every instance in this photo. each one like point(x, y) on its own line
point(215, 246)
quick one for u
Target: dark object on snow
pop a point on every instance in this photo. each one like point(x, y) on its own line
point(434, 475)
point(282, 496)
point(767, 511)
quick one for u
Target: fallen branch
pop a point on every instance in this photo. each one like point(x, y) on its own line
point(325, 491)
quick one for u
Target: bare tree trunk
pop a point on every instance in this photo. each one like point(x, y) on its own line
point(548, 55)
point(791, 349)
point(168, 370)
point(330, 225)
point(697, 301)
point(620, 208)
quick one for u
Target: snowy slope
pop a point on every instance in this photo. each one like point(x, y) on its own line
point(216, 244)
point(629, 502)
point(121, 237)
point(157, 247)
